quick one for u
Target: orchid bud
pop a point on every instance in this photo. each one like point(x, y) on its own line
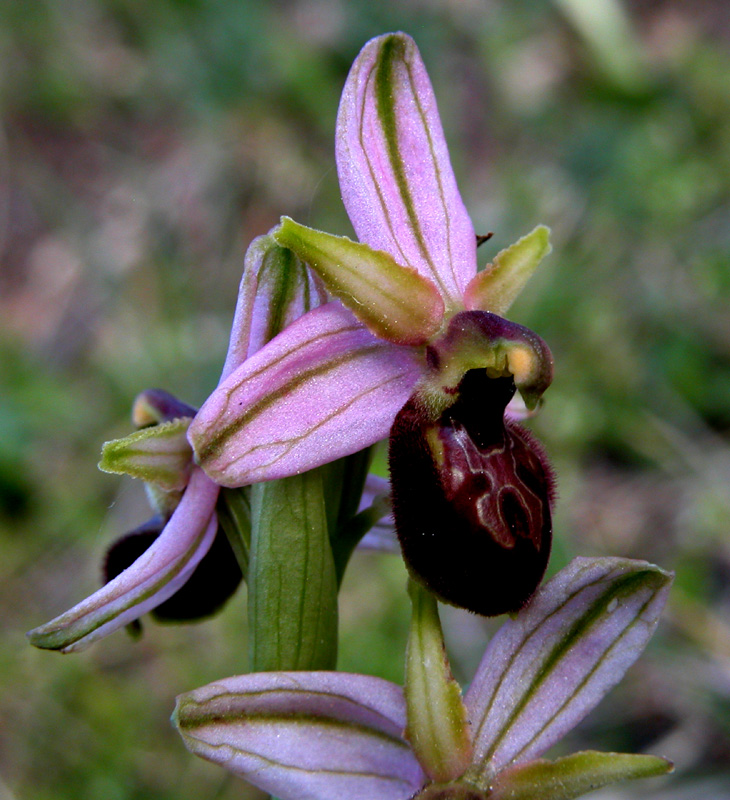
point(155, 406)
point(472, 489)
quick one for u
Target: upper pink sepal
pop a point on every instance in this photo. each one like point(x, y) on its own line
point(393, 164)
point(322, 389)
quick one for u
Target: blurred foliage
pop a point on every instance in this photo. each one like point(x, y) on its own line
point(143, 145)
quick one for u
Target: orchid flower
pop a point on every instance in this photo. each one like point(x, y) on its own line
point(161, 565)
point(414, 347)
point(328, 735)
point(424, 355)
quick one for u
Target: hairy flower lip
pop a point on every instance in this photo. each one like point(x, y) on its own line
point(472, 495)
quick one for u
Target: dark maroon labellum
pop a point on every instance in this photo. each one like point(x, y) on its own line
point(471, 498)
point(212, 583)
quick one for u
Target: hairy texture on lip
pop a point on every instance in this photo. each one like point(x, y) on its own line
point(471, 499)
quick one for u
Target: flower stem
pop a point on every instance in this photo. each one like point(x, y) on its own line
point(234, 516)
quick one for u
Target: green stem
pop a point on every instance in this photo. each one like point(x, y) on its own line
point(234, 516)
point(292, 588)
point(345, 480)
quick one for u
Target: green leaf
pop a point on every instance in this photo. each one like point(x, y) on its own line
point(437, 725)
point(497, 287)
point(292, 592)
point(395, 302)
point(574, 775)
point(159, 455)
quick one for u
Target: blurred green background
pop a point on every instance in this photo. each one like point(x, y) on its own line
point(143, 145)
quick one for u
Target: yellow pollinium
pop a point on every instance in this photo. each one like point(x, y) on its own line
point(522, 363)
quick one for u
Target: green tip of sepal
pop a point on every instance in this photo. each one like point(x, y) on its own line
point(159, 455)
point(574, 775)
point(394, 301)
point(497, 287)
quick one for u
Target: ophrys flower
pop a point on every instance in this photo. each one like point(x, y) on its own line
point(417, 337)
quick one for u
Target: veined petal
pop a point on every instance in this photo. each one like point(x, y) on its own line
point(394, 169)
point(305, 735)
point(322, 389)
point(547, 668)
point(276, 288)
point(496, 288)
point(151, 579)
point(574, 775)
point(396, 302)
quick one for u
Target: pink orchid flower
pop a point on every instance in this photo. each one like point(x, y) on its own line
point(415, 346)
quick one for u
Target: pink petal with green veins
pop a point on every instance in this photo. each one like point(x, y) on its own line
point(305, 735)
point(544, 670)
point(322, 389)
point(496, 288)
point(394, 169)
point(152, 578)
